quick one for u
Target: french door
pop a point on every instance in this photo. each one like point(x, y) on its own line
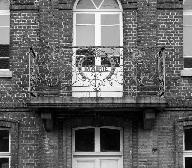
point(98, 59)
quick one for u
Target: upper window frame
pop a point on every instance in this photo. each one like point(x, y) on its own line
point(97, 12)
point(186, 71)
point(6, 72)
point(187, 12)
point(97, 9)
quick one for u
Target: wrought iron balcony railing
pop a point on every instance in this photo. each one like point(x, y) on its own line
point(97, 71)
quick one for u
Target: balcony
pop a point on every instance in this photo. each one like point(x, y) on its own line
point(96, 75)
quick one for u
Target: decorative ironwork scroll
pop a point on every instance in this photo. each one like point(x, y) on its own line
point(97, 71)
point(100, 71)
point(161, 71)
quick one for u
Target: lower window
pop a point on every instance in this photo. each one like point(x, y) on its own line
point(187, 148)
point(97, 147)
point(4, 148)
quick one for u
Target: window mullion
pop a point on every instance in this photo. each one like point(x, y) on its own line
point(97, 35)
point(97, 29)
point(97, 139)
point(75, 29)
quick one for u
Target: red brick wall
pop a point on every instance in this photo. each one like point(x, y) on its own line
point(149, 24)
point(142, 148)
point(159, 147)
point(24, 33)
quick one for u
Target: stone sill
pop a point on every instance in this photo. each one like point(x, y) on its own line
point(99, 102)
point(5, 73)
point(186, 72)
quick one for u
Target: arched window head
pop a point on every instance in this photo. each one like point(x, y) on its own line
point(97, 5)
point(98, 23)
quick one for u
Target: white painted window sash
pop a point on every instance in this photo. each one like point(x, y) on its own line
point(187, 13)
point(97, 142)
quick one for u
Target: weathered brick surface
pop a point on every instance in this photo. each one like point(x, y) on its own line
point(47, 26)
point(50, 24)
point(159, 147)
point(24, 25)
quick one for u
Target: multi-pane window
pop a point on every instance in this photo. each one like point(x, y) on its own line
point(97, 23)
point(98, 41)
point(102, 139)
point(98, 147)
point(187, 33)
point(4, 148)
point(187, 148)
point(4, 34)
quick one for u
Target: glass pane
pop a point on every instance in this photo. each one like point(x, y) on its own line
point(85, 19)
point(85, 4)
point(109, 163)
point(97, 2)
point(110, 36)
point(4, 162)
point(187, 19)
point(4, 34)
point(188, 139)
point(4, 141)
point(187, 41)
point(4, 50)
point(109, 19)
point(4, 63)
point(85, 140)
point(110, 140)
point(110, 4)
point(188, 162)
point(4, 20)
point(4, 5)
point(187, 62)
point(85, 35)
point(187, 4)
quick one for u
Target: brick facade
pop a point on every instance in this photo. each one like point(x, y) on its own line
point(46, 27)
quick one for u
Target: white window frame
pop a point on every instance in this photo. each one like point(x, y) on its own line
point(7, 154)
point(187, 12)
point(97, 143)
point(5, 72)
point(98, 12)
point(97, 9)
point(97, 43)
point(5, 12)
